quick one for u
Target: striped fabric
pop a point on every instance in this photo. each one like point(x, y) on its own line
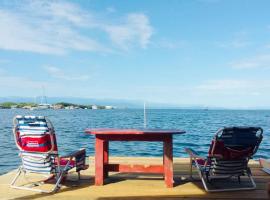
point(34, 133)
point(38, 148)
point(34, 139)
point(231, 149)
point(31, 124)
point(228, 167)
point(241, 137)
point(37, 163)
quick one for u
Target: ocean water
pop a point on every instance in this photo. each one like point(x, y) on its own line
point(200, 127)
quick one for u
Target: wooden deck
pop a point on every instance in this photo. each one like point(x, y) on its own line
point(125, 186)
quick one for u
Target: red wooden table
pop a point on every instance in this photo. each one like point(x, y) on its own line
point(103, 136)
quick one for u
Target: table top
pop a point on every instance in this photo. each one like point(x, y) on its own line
point(114, 131)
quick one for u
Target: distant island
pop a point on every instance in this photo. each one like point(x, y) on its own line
point(60, 105)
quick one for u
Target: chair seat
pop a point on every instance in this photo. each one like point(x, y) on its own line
point(63, 162)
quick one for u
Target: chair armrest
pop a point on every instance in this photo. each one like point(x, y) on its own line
point(193, 154)
point(74, 154)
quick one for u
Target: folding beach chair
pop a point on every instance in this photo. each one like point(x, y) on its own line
point(36, 140)
point(227, 159)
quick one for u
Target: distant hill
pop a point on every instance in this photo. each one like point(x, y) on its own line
point(119, 103)
point(87, 101)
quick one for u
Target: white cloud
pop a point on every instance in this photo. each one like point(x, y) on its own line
point(267, 46)
point(232, 93)
point(110, 9)
point(135, 29)
point(213, 88)
point(234, 86)
point(238, 40)
point(26, 86)
point(61, 74)
point(221, 85)
point(210, 87)
point(18, 85)
point(259, 61)
point(236, 43)
point(41, 28)
point(237, 93)
point(209, 1)
point(4, 61)
point(2, 71)
point(171, 44)
point(57, 27)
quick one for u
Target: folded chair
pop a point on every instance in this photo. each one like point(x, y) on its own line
point(36, 140)
point(227, 159)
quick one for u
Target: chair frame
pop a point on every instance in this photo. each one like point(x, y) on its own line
point(203, 170)
point(60, 171)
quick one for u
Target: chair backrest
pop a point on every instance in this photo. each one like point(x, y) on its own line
point(231, 149)
point(236, 142)
point(36, 140)
point(38, 163)
point(34, 134)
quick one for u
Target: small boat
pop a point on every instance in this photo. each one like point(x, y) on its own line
point(42, 106)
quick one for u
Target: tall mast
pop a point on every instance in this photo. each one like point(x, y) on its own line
point(43, 95)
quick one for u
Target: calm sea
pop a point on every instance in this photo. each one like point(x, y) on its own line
point(200, 126)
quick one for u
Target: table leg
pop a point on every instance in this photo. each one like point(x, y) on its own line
point(99, 162)
point(106, 158)
point(168, 161)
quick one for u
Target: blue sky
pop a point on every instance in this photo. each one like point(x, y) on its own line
point(200, 52)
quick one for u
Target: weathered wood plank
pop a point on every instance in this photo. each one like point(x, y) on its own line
point(129, 186)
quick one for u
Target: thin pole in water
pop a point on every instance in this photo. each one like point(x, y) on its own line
point(144, 115)
point(44, 98)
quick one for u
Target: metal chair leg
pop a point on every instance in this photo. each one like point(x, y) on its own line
point(190, 170)
point(16, 177)
point(79, 175)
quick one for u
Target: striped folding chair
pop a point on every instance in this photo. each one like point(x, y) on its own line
point(227, 159)
point(36, 140)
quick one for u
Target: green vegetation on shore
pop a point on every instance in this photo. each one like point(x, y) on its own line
point(60, 105)
point(8, 105)
point(68, 105)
